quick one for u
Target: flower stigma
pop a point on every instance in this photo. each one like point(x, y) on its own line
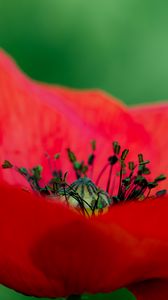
point(85, 196)
point(125, 181)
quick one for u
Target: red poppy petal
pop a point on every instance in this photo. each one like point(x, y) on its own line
point(153, 289)
point(147, 222)
point(36, 119)
point(155, 119)
point(48, 250)
point(104, 114)
point(24, 221)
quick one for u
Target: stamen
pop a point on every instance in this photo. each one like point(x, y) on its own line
point(85, 195)
point(112, 160)
point(123, 157)
point(91, 158)
point(7, 165)
point(116, 148)
point(79, 167)
point(101, 173)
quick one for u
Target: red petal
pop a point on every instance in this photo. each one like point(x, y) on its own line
point(155, 289)
point(155, 120)
point(50, 251)
point(147, 222)
point(35, 119)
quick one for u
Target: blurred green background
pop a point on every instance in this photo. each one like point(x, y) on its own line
point(123, 294)
point(120, 46)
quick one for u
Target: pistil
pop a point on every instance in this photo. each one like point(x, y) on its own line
point(85, 195)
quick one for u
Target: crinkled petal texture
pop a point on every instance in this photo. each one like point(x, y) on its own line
point(48, 250)
point(36, 119)
point(154, 118)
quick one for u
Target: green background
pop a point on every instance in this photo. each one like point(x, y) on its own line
point(120, 46)
point(123, 294)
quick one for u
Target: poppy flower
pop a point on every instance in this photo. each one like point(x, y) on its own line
point(48, 249)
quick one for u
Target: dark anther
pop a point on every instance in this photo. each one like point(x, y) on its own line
point(93, 144)
point(161, 193)
point(132, 183)
point(145, 162)
point(143, 170)
point(160, 178)
point(36, 171)
point(113, 159)
point(126, 181)
point(77, 165)
point(131, 165)
point(7, 165)
point(141, 181)
point(56, 173)
point(140, 158)
point(116, 148)
point(124, 154)
point(23, 171)
point(152, 185)
point(91, 159)
point(57, 155)
point(71, 155)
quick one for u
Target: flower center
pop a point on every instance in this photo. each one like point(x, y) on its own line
point(85, 196)
point(125, 181)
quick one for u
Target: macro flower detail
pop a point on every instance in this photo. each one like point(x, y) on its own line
point(47, 248)
point(85, 195)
